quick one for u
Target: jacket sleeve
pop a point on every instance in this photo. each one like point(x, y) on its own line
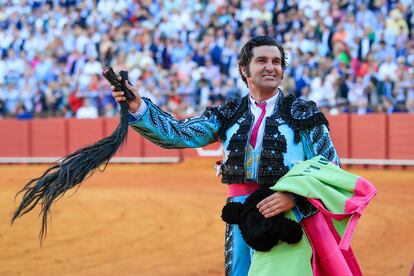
point(310, 127)
point(164, 130)
point(321, 144)
point(317, 141)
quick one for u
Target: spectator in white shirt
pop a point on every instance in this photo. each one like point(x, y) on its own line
point(87, 111)
point(388, 68)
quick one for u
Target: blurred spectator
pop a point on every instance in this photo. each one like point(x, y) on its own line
point(362, 107)
point(22, 113)
point(2, 108)
point(388, 69)
point(305, 93)
point(357, 95)
point(185, 54)
point(302, 81)
point(87, 111)
point(321, 91)
point(39, 101)
point(110, 111)
point(10, 96)
point(74, 100)
point(230, 90)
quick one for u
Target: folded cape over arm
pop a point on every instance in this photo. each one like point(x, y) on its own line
point(341, 197)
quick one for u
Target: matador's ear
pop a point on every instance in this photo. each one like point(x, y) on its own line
point(231, 212)
point(243, 70)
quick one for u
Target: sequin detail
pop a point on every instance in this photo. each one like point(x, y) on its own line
point(271, 166)
point(301, 115)
point(228, 250)
point(233, 170)
point(322, 142)
point(168, 126)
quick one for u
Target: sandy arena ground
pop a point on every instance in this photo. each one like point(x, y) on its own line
point(164, 220)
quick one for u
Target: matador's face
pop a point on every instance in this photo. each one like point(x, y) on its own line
point(264, 72)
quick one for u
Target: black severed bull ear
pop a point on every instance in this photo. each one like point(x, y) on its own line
point(292, 232)
point(231, 212)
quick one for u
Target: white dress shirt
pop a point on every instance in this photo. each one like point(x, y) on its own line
point(256, 111)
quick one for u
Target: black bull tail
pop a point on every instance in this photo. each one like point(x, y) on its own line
point(71, 171)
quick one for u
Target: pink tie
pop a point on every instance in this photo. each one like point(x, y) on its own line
point(255, 130)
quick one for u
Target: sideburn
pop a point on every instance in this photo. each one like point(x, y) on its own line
point(248, 74)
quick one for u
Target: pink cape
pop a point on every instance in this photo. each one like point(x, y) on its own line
point(332, 255)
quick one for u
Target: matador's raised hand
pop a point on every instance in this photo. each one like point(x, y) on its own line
point(119, 96)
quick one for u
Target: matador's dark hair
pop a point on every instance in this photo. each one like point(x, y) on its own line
point(75, 167)
point(246, 53)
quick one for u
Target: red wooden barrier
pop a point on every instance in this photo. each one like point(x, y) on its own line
point(49, 138)
point(14, 138)
point(83, 132)
point(368, 136)
point(373, 136)
point(340, 134)
point(204, 151)
point(401, 136)
point(152, 150)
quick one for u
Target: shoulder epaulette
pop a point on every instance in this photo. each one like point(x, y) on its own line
point(228, 113)
point(301, 115)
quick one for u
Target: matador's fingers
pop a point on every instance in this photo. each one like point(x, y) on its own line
point(271, 212)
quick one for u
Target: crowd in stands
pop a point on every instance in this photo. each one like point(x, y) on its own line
point(347, 56)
